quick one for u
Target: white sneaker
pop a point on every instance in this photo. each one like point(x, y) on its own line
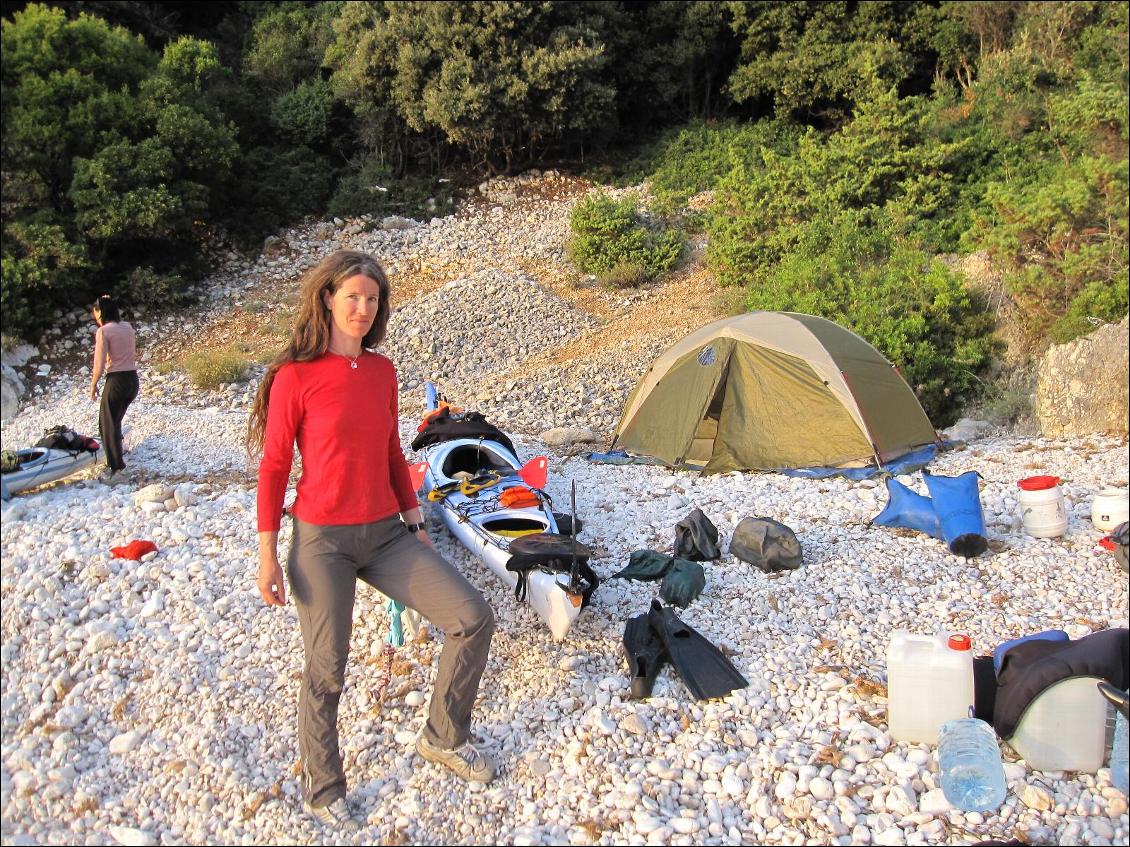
point(468, 761)
point(335, 816)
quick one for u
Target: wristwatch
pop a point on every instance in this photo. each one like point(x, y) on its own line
point(414, 527)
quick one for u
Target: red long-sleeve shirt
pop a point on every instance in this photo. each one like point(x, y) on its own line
point(345, 423)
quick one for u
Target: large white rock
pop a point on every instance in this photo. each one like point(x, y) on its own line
point(967, 429)
point(1035, 797)
point(564, 436)
point(156, 493)
point(125, 742)
point(1083, 387)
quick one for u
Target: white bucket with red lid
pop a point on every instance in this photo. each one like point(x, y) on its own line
point(1041, 506)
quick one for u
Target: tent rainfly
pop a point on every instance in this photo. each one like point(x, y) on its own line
point(770, 391)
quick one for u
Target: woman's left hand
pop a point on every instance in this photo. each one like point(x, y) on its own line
point(422, 536)
point(94, 392)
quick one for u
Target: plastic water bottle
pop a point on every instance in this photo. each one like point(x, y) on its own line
point(970, 762)
point(1119, 765)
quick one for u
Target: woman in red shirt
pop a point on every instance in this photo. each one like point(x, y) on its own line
point(355, 516)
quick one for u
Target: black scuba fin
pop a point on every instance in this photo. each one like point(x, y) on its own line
point(704, 669)
point(645, 653)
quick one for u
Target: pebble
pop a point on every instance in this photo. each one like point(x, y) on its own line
point(170, 690)
point(132, 836)
point(786, 786)
point(1035, 797)
point(125, 742)
point(934, 801)
point(685, 826)
point(821, 788)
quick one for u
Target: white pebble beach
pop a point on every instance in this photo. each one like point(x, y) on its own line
point(154, 702)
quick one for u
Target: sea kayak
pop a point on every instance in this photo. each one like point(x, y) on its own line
point(41, 465)
point(452, 472)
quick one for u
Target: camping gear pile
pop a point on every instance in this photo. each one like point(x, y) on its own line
point(764, 543)
point(647, 640)
point(1043, 693)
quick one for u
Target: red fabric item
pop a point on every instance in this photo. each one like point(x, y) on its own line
point(134, 550)
point(518, 497)
point(345, 422)
point(443, 404)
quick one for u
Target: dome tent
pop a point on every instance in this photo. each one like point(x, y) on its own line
point(772, 390)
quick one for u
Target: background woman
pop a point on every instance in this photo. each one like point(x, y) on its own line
point(355, 517)
point(115, 353)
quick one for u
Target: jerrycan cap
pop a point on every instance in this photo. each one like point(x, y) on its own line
point(959, 642)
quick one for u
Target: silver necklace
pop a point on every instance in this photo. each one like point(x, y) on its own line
point(352, 359)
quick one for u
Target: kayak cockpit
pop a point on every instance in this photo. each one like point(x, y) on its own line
point(514, 526)
point(474, 459)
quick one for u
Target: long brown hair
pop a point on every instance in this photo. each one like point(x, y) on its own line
point(310, 335)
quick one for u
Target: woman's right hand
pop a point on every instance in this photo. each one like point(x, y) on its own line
point(271, 586)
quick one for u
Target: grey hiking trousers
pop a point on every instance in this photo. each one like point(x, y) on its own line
point(323, 567)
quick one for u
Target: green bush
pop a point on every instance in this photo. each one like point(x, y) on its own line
point(858, 273)
point(1005, 406)
point(149, 287)
point(1057, 227)
point(112, 155)
point(210, 370)
point(885, 161)
point(819, 60)
point(38, 264)
point(699, 155)
point(272, 188)
point(624, 275)
point(608, 233)
point(303, 115)
point(502, 80)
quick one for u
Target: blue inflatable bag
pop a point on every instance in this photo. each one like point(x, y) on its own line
point(909, 509)
point(957, 502)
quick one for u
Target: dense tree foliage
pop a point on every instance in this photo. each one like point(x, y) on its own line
point(499, 79)
point(844, 145)
point(820, 59)
point(111, 155)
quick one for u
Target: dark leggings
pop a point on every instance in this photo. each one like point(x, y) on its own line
point(120, 390)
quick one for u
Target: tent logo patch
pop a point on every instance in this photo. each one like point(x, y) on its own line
point(707, 356)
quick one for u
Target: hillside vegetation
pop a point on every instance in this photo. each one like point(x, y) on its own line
point(837, 156)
